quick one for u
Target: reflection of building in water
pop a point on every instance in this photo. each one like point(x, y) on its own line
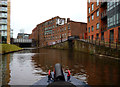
point(46, 60)
point(88, 68)
point(5, 69)
point(0, 70)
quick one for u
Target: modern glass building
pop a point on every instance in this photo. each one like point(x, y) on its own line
point(4, 21)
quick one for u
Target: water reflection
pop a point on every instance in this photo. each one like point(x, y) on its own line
point(0, 70)
point(5, 69)
point(28, 66)
point(91, 69)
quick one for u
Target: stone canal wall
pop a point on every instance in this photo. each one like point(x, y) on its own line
point(86, 47)
point(63, 45)
point(95, 49)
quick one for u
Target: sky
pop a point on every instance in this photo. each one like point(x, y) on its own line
point(26, 14)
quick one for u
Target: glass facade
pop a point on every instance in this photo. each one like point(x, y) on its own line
point(111, 5)
point(3, 15)
point(3, 27)
point(113, 12)
point(3, 9)
point(3, 20)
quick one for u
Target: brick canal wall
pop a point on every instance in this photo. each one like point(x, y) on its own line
point(87, 48)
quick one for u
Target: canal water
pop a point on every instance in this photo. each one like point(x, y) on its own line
point(28, 66)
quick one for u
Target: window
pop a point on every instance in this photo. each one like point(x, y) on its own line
point(111, 21)
point(89, 10)
point(111, 5)
point(97, 13)
point(88, 1)
point(89, 19)
point(92, 28)
point(68, 26)
point(92, 37)
point(97, 2)
point(97, 25)
point(117, 17)
point(114, 19)
point(117, 2)
point(89, 29)
point(97, 36)
point(92, 16)
point(92, 7)
point(108, 23)
point(3, 27)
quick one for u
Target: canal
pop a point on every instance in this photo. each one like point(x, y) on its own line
point(28, 66)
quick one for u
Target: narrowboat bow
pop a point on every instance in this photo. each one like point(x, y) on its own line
point(59, 79)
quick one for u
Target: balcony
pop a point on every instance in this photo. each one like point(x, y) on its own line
point(104, 15)
point(104, 27)
point(103, 4)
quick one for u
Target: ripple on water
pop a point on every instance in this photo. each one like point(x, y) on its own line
point(76, 66)
point(82, 77)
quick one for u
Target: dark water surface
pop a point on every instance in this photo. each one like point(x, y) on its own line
point(28, 66)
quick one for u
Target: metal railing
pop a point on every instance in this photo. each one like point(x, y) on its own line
point(22, 41)
point(111, 43)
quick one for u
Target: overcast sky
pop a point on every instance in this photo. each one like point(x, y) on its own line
point(26, 14)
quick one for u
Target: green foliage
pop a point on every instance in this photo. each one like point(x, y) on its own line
point(5, 48)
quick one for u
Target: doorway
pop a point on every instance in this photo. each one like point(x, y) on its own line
point(102, 36)
point(112, 35)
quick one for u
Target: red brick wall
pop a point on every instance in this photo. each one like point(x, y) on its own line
point(76, 28)
point(107, 34)
point(94, 21)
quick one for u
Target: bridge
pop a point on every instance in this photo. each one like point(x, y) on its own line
point(23, 42)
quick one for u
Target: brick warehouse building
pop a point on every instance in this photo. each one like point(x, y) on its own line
point(57, 30)
point(103, 21)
